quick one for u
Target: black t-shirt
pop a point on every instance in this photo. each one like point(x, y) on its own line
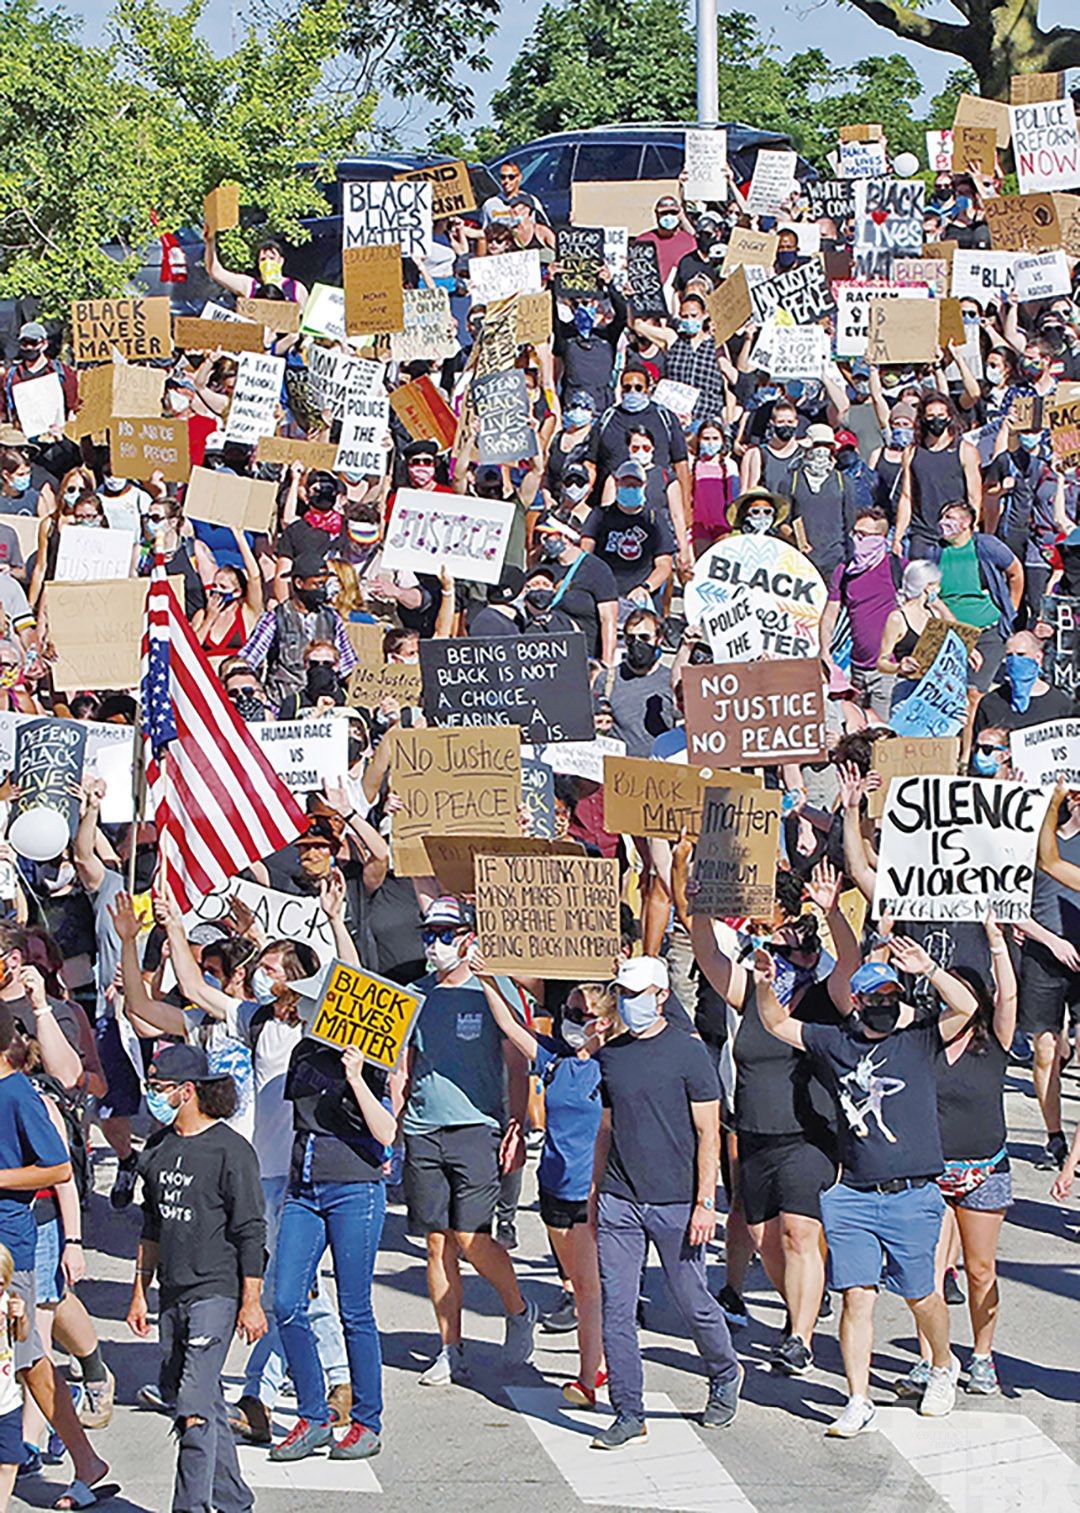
point(593, 584)
point(971, 1101)
point(327, 1118)
point(886, 1091)
point(649, 1086)
point(307, 546)
point(693, 265)
point(994, 709)
point(629, 544)
point(489, 621)
point(776, 1089)
point(609, 444)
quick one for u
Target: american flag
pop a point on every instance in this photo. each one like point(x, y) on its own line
point(218, 804)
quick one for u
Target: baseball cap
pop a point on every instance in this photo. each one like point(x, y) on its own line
point(554, 525)
point(508, 587)
point(449, 912)
point(642, 974)
point(820, 436)
point(630, 469)
point(581, 399)
point(873, 975)
point(425, 448)
point(207, 934)
point(666, 202)
point(183, 1063)
point(320, 832)
point(33, 330)
point(846, 439)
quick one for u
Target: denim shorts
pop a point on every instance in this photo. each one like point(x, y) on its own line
point(864, 1229)
point(48, 1273)
point(12, 1452)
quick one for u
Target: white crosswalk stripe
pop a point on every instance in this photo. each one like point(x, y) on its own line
point(315, 1474)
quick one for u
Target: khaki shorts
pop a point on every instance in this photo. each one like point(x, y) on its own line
point(29, 1351)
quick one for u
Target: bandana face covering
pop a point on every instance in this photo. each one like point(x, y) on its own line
point(1021, 672)
point(329, 521)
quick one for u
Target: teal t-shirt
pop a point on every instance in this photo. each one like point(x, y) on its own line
point(458, 1068)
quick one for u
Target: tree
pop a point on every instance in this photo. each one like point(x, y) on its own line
point(99, 143)
point(998, 38)
point(417, 49)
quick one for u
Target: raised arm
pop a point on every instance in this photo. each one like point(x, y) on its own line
point(960, 1002)
point(859, 869)
point(775, 1016)
point(510, 1026)
point(148, 1015)
point(1005, 995)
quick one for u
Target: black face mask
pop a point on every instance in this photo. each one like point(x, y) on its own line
point(936, 425)
point(321, 680)
point(248, 707)
point(539, 598)
point(641, 655)
point(145, 867)
point(783, 433)
point(880, 1014)
point(312, 598)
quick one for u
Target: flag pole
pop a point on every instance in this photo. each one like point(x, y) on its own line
point(138, 792)
point(163, 855)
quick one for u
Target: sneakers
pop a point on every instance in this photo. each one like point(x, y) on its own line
point(357, 1443)
point(339, 1401)
point(792, 1357)
point(939, 1398)
point(954, 1293)
point(858, 1414)
point(913, 1383)
point(1052, 1156)
point(722, 1404)
point(518, 1340)
point(149, 1396)
point(982, 1378)
point(562, 1319)
point(302, 1440)
point(734, 1307)
point(506, 1236)
point(447, 1367)
point(579, 1396)
point(250, 1420)
point(97, 1402)
point(623, 1431)
point(826, 1309)
point(123, 1189)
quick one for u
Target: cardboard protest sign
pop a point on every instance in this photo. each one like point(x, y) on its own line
point(559, 913)
point(359, 1008)
point(579, 252)
point(1022, 222)
point(254, 406)
point(369, 684)
point(977, 110)
point(451, 188)
point(939, 151)
point(650, 798)
point(1063, 420)
point(952, 328)
point(620, 202)
point(452, 782)
point(772, 181)
point(538, 798)
point(735, 629)
point(96, 630)
point(902, 331)
point(280, 916)
point(137, 328)
point(39, 404)
point(582, 759)
point(89, 555)
point(803, 293)
point(1029, 89)
point(507, 273)
point(466, 535)
point(306, 754)
point(502, 405)
point(957, 848)
point(862, 160)
point(931, 272)
point(833, 199)
point(932, 638)
point(643, 276)
point(333, 375)
point(938, 704)
point(794, 594)
point(286, 449)
point(538, 682)
point(247, 504)
point(49, 756)
point(853, 301)
point(862, 131)
point(452, 858)
point(974, 146)
point(729, 306)
point(391, 212)
point(889, 214)
point(982, 275)
point(424, 413)
point(280, 315)
point(373, 293)
point(1040, 275)
point(324, 313)
point(903, 756)
point(221, 208)
point(736, 853)
point(429, 330)
point(1046, 146)
point(798, 352)
point(364, 428)
point(531, 317)
point(1042, 754)
point(191, 334)
point(749, 249)
point(705, 165)
point(140, 447)
point(755, 714)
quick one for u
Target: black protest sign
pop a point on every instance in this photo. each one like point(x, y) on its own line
point(804, 293)
point(538, 797)
point(834, 198)
point(1062, 661)
point(579, 252)
point(502, 405)
point(49, 757)
point(644, 278)
point(889, 215)
point(540, 683)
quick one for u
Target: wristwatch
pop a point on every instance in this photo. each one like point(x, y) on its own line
point(709, 1203)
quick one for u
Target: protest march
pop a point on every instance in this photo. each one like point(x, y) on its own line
point(546, 760)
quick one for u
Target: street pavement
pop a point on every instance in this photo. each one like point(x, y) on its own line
point(507, 1442)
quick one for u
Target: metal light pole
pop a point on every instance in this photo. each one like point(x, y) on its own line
point(708, 90)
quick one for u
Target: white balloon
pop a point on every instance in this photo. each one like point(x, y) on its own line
point(39, 834)
point(905, 165)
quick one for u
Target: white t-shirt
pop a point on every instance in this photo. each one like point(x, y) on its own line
point(274, 1045)
point(10, 1391)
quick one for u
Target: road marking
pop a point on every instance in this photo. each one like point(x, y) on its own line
point(672, 1469)
point(984, 1462)
point(315, 1474)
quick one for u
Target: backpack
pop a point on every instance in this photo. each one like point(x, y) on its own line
point(71, 1113)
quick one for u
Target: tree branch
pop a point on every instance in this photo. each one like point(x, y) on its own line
point(913, 27)
point(1062, 45)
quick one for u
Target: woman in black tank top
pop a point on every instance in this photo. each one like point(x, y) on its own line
point(938, 470)
point(918, 605)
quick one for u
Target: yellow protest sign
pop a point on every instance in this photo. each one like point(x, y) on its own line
point(361, 1009)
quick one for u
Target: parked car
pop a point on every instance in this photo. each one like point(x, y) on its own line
point(551, 165)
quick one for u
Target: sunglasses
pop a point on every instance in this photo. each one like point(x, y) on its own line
point(240, 693)
point(635, 388)
point(445, 937)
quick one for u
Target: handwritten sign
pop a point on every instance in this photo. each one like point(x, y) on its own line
point(980, 110)
point(538, 798)
point(370, 684)
point(853, 301)
point(755, 714)
point(49, 756)
point(499, 276)
point(805, 294)
point(452, 858)
point(428, 327)
point(902, 756)
point(984, 276)
point(1046, 145)
point(452, 782)
point(466, 535)
point(1040, 275)
point(579, 252)
point(902, 332)
point(140, 447)
point(974, 146)
point(1042, 754)
point(364, 425)
point(280, 916)
point(933, 635)
point(772, 181)
point(1028, 89)
point(706, 165)
point(792, 592)
point(736, 853)
point(305, 754)
point(321, 455)
point(88, 554)
point(192, 334)
point(729, 306)
point(502, 405)
point(137, 328)
point(889, 214)
point(559, 913)
point(255, 401)
point(646, 797)
point(96, 630)
point(1063, 420)
point(1023, 222)
point(862, 160)
point(750, 249)
point(373, 294)
point(645, 280)
point(424, 413)
point(393, 212)
point(359, 1008)
point(798, 352)
point(451, 188)
point(939, 150)
point(540, 683)
point(279, 315)
point(324, 313)
point(938, 704)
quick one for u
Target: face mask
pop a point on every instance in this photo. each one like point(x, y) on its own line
point(1030, 443)
point(365, 532)
point(709, 448)
point(631, 497)
point(583, 320)
point(575, 492)
point(638, 1011)
point(950, 527)
point(880, 1014)
point(760, 521)
point(1056, 335)
point(634, 401)
point(847, 459)
point(963, 203)
point(321, 679)
point(667, 221)
point(985, 763)
point(690, 325)
point(644, 455)
point(936, 425)
point(160, 1107)
point(225, 595)
point(70, 495)
point(576, 417)
point(441, 957)
point(641, 655)
point(250, 710)
point(790, 978)
point(869, 551)
point(271, 269)
point(782, 432)
point(552, 547)
point(1030, 367)
point(212, 980)
point(786, 258)
point(819, 462)
point(900, 437)
point(89, 522)
point(262, 985)
point(995, 377)
point(20, 485)
point(1021, 672)
point(576, 1036)
point(114, 485)
point(55, 882)
point(312, 598)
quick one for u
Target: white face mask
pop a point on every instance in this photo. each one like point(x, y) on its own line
point(639, 1011)
point(262, 985)
point(575, 1035)
point(441, 957)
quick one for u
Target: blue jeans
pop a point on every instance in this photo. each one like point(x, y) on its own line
point(266, 1371)
point(348, 1215)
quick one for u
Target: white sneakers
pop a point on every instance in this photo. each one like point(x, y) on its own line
point(857, 1416)
point(940, 1395)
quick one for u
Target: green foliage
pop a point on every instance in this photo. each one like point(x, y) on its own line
point(419, 49)
point(95, 140)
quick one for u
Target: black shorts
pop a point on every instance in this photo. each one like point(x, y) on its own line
point(1047, 989)
point(452, 1179)
point(783, 1174)
point(563, 1213)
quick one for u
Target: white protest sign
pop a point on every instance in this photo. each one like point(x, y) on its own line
point(1043, 753)
point(507, 273)
point(706, 165)
point(616, 242)
point(380, 214)
point(429, 329)
point(939, 151)
point(213, 311)
point(324, 313)
point(889, 215)
point(1046, 146)
point(734, 629)
point(1041, 275)
point(39, 403)
point(113, 765)
point(280, 916)
point(773, 181)
point(580, 759)
point(255, 401)
point(792, 592)
point(88, 553)
point(862, 160)
point(364, 429)
point(981, 275)
point(110, 750)
point(429, 531)
point(853, 310)
point(798, 352)
point(679, 398)
point(958, 848)
point(332, 376)
point(307, 753)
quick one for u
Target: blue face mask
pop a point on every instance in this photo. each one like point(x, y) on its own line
point(900, 437)
point(786, 258)
point(690, 325)
point(630, 496)
point(985, 763)
point(160, 1107)
point(20, 485)
point(634, 401)
point(667, 222)
point(1030, 441)
point(708, 448)
point(1020, 672)
point(212, 980)
point(638, 1011)
point(963, 202)
point(577, 417)
point(584, 320)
